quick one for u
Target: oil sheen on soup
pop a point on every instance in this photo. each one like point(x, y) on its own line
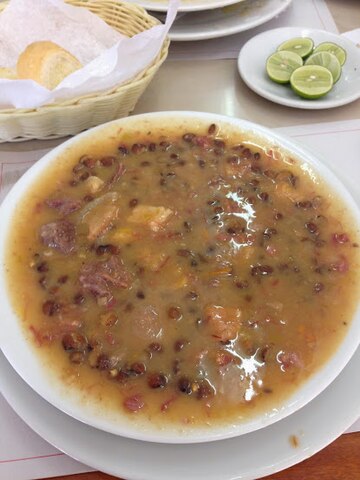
point(187, 274)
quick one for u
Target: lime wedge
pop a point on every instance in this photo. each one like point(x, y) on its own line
point(336, 50)
point(311, 81)
point(303, 46)
point(327, 60)
point(280, 66)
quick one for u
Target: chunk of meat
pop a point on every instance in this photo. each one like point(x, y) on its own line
point(271, 250)
point(234, 384)
point(237, 167)
point(119, 172)
point(59, 235)
point(166, 405)
point(203, 142)
point(100, 222)
point(289, 359)
point(98, 277)
point(153, 217)
point(340, 238)
point(223, 358)
point(93, 184)
point(123, 235)
point(74, 341)
point(340, 265)
point(216, 181)
point(288, 191)
point(100, 214)
point(154, 261)
point(38, 335)
point(224, 322)
point(180, 277)
point(146, 323)
point(69, 319)
point(62, 326)
point(134, 403)
point(64, 206)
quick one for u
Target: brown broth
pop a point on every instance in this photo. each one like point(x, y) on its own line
point(220, 310)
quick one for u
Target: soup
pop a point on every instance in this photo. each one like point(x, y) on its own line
point(184, 275)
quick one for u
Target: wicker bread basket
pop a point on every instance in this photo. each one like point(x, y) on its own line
point(80, 113)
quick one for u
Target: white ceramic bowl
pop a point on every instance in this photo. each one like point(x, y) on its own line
point(28, 365)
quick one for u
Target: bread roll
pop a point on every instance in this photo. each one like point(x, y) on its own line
point(7, 73)
point(47, 63)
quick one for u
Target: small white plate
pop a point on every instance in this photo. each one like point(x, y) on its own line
point(185, 5)
point(226, 21)
point(253, 56)
point(247, 457)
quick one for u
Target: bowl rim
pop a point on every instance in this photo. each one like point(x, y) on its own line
point(20, 353)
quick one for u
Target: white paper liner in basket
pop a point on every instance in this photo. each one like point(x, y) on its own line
point(106, 88)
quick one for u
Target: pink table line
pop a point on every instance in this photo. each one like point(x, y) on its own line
point(318, 14)
point(1, 174)
point(32, 458)
point(23, 162)
point(323, 133)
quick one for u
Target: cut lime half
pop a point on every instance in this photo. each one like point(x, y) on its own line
point(303, 46)
point(327, 60)
point(280, 66)
point(311, 81)
point(336, 50)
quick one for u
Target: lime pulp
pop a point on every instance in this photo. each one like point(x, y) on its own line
point(327, 60)
point(303, 46)
point(281, 65)
point(311, 81)
point(336, 50)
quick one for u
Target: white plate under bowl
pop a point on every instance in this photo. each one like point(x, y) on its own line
point(28, 364)
point(185, 5)
point(248, 457)
point(253, 56)
point(226, 21)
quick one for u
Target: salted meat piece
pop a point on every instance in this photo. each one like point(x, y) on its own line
point(224, 322)
point(289, 359)
point(153, 217)
point(146, 324)
point(134, 403)
point(234, 384)
point(59, 235)
point(98, 278)
point(119, 172)
point(64, 206)
point(100, 220)
point(340, 265)
point(154, 261)
point(100, 214)
point(94, 184)
point(236, 167)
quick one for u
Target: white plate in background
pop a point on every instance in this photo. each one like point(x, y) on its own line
point(252, 61)
point(185, 5)
point(226, 21)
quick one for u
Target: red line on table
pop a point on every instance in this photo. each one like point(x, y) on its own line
point(1, 174)
point(32, 458)
point(318, 14)
point(323, 133)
